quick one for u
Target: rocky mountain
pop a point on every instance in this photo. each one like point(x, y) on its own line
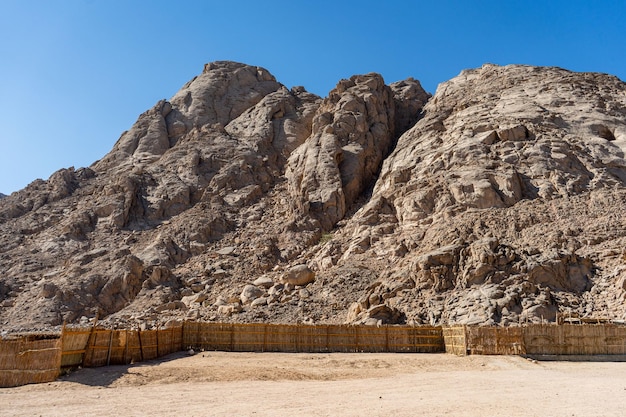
point(500, 199)
point(2, 195)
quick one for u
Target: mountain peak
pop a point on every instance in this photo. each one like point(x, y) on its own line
point(495, 201)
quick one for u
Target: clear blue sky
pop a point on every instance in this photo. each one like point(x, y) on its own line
point(74, 74)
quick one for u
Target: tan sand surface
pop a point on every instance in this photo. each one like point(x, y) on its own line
point(279, 384)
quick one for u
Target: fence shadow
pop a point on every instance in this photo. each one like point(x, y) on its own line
point(105, 376)
point(96, 377)
point(577, 358)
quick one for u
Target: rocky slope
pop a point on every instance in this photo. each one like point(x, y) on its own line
point(497, 200)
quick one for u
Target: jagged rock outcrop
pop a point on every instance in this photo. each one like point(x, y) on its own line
point(498, 200)
point(493, 143)
point(354, 130)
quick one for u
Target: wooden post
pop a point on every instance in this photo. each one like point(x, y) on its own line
point(232, 337)
point(61, 347)
point(387, 338)
point(298, 337)
point(110, 346)
point(465, 348)
point(140, 345)
point(327, 337)
point(126, 361)
point(182, 335)
point(497, 330)
point(264, 338)
point(90, 340)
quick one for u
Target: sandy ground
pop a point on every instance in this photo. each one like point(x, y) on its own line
point(278, 384)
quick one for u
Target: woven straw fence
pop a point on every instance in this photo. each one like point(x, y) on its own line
point(495, 340)
point(537, 339)
point(74, 347)
point(29, 360)
point(119, 347)
point(260, 337)
point(454, 340)
point(38, 358)
point(571, 339)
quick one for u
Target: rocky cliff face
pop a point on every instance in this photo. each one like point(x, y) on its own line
point(497, 200)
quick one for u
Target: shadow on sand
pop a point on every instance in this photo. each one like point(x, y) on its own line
point(578, 358)
point(104, 376)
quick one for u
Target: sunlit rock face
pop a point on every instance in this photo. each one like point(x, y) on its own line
point(497, 200)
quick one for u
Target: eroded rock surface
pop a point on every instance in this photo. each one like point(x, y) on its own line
point(497, 200)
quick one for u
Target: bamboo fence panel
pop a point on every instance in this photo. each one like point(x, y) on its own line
point(262, 337)
point(149, 340)
point(577, 340)
point(190, 334)
point(208, 336)
point(371, 339)
point(454, 340)
point(495, 340)
point(284, 338)
point(426, 340)
point(248, 337)
point(133, 347)
point(572, 339)
point(29, 360)
point(170, 340)
point(342, 338)
point(543, 340)
point(74, 346)
point(98, 348)
point(397, 339)
point(118, 348)
point(615, 340)
point(312, 339)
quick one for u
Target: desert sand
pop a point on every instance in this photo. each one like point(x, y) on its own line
point(279, 384)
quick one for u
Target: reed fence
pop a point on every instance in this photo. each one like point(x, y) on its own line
point(572, 339)
point(537, 339)
point(121, 347)
point(454, 340)
point(495, 340)
point(40, 358)
point(74, 346)
point(261, 337)
point(29, 359)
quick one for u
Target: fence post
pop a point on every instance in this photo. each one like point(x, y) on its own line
point(327, 338)
point(232, 337)
point(89, 340)
point(264, 338)
point(465, 348)
point(387, 338)
point(140, 344)
point(182, 335)
point(497, 330)
point(110, 346)
point(298, 347)
point(126, 361)
point(157, 340)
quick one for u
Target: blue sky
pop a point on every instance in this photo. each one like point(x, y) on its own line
point(75, 74)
